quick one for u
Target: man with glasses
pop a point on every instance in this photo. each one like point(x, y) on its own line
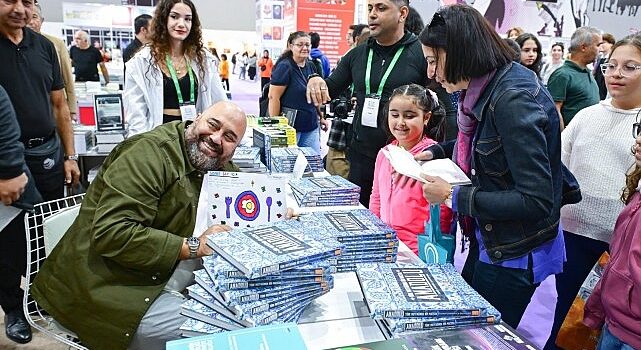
point(390, 58)
point(572, 86)
point(31, 76)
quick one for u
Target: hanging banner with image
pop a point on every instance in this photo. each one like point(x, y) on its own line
point(331, 20)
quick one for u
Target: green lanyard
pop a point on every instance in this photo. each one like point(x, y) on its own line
point(368, 72)
point(174, 77)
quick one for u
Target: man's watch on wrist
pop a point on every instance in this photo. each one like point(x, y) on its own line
point(72, 157)
point(313, 75)
point(193, 243)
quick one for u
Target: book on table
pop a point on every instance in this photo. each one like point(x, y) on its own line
point(281, 336)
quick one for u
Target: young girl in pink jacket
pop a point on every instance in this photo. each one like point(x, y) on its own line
point(411, 125)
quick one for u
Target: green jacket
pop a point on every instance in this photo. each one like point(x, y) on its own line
point(121, 250)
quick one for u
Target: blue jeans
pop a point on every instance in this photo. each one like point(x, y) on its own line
point(309, 139)
point(609, 342)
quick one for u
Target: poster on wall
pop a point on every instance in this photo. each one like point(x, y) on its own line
point(331, 20)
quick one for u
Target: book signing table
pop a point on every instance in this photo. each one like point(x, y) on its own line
point(341, 317)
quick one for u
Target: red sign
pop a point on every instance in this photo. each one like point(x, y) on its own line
point(331, 20)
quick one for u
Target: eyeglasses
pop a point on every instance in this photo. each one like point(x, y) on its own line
point(627, 70)
point(636, 127)
point(301, 45)
point(437, 20)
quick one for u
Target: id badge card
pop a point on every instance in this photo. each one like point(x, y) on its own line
point(188, 112)
point(369, 116)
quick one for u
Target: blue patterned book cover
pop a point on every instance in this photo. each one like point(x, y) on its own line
point(317, 186)
point(418, 291)
point(253, 308)
point(277, 281)
point(359, 225)
point(200, 295)
point(282, 312)
point(219, 268)
point(204, 281)
point(192, 328)
point(272, 248)
point(235, 297)
point(373, 244)
point(440, 322)
point(281, 336)
point(200, 312)
point(246, 154)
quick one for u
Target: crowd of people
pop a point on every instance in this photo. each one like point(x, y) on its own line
point(545, 142)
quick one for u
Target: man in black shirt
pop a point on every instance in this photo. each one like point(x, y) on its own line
point(388, 40)
point(141, 27)
point(86, 58)
point(31, 76)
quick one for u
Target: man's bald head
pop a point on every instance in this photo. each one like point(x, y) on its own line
point(213, 137)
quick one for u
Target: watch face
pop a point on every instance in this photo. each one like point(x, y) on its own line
point(193, 242)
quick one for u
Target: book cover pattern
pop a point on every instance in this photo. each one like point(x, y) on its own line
point(269, 249)
point(316, 186)
point(200, 312)
point(416, 291)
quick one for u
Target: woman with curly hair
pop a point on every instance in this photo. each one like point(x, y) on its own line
point(173, 77)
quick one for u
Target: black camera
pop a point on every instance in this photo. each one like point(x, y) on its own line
point(340, 107)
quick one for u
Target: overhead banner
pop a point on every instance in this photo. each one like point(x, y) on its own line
point(331, 20)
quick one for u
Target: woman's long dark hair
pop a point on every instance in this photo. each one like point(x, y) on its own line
point(425, 101)
point(290, 41)
point(536, 66)
point(160, 40)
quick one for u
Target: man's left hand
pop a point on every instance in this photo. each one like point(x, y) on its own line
point(72, 172)
point(203, 249)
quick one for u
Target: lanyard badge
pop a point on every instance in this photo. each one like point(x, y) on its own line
point(369, 116)
point(187, 109)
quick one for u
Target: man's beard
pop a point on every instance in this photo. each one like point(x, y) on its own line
point(200, 160)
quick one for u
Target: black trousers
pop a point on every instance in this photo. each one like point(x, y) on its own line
point(13, 244)
point(264, 81)
point(361, 173)
point(508, 290)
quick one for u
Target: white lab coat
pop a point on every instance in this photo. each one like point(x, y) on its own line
point(143, 95)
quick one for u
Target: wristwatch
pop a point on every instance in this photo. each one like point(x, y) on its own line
point(313, 75)
point(193, 243)
point(72, 157)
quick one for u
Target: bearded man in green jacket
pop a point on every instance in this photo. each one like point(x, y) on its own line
point(106, 280)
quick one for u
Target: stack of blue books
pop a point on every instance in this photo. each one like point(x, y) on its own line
point(248, 160)
point(325, 191)
point(283, 159)
point(366, 237)
point(417, 297)
point(258, 276)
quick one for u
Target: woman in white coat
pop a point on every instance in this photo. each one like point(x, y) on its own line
point(173, 77)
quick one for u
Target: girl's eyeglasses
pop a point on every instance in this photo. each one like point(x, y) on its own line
point(626, 70)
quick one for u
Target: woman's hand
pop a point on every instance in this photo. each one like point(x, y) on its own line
point(436, 190)
point(401, 180)
point(317, 92)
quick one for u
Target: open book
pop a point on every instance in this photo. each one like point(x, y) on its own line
point(404, 163)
